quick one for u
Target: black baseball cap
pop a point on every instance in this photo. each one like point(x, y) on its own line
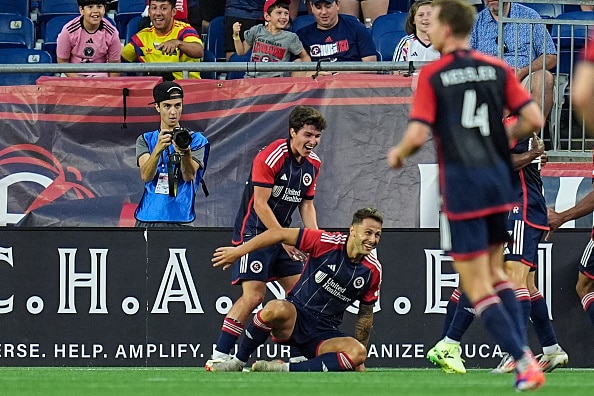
point(167, 90)
point(325, 1)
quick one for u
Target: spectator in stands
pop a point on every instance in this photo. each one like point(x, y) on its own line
point(209, 10)
point(523, 51)
point(90, 38)
point(270, 43)
point(171, 166)
point(167, 40)
point(334, 37)
point(416, 46)
point(369, 8)
point(248, 13)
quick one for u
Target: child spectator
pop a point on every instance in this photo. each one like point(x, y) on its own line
point(270, 43)
point(416, 46)
point(90, 38)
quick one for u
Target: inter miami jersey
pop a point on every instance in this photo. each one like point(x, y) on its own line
point(528, 185)
point(462, 97)
point(330, 282)
point(291, 182)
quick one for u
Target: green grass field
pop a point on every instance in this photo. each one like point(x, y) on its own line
point(196, 381)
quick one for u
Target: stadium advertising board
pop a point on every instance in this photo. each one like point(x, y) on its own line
point(133, 298)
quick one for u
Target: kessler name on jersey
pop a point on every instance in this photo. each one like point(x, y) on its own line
point(468, 74)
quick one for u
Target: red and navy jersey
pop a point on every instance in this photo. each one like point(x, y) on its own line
point(330, 281)
point(462, 97)
point(588, 54)
point(528, 185)
point(276, 167)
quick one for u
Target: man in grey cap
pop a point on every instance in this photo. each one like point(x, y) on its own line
point(172, 161)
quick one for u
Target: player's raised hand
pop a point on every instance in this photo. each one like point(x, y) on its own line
point(225, 256)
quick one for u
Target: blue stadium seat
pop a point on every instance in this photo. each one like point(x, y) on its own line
point(208, 57)
point(52, 8)
point(53, 28)
point(236, 75)
point(127, 10)
point(301, 21)
point(387, 30)
point(546, 10)
point(398, 6)
point(16, 31)
point(18, 7)
point(22, 56)
point(565, 35)
point(132, 27)
point(215, 38)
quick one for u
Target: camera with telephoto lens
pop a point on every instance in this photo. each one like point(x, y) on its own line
point(181, 137)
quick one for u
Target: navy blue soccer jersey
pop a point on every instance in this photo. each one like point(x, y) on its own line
point(348, 41)
point(462, 97)
point(276, 167)
point(528, 184)
point(330, 281)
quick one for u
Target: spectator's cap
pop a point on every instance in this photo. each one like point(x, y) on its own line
point(270, 3)
point(167, 90)
point(325, 1)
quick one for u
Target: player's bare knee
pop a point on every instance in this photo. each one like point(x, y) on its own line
point(357, 353)
point(276, 310)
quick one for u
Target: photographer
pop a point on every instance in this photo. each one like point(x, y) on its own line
point(172, 161)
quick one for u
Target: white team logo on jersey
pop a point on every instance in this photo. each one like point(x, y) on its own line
point(320, 276)
point(307, 179)
point(358, 282)
point(256, 267)
point(277, 190)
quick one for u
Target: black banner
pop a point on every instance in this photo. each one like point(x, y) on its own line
point(126, 297)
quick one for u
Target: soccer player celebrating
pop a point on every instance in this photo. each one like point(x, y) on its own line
point(461, 99)
point(341, 269)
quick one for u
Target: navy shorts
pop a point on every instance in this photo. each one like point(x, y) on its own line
point(586, 266)
point(266, 265)
point(467, 239)
point(524, 244)
point(309, 332)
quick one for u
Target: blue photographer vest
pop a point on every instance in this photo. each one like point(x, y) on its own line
point(156, 207)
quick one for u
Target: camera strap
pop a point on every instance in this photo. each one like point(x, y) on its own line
point(172, 174)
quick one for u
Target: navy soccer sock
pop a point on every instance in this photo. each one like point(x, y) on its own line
point(523, 298)
point(230, 332)
point(450, 312)
point(331, 361)
point(462, 319)
point(499, 325)
point(539, 314)
point(588, 304)
point(507, 296)
point(256, 334)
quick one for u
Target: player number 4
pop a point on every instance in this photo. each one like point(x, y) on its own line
point(475, 117)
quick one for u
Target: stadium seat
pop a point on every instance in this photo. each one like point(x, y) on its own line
point(237, 75)
point(215, 38)
point(127, 10)
point(387, 31)
point(208, 57)
point(22, 56)
point(570, 39)
point(52, 29)
point(132, 27)
point(18, 7)
point(301, 21)
point(16, 31)
point(546, 10)
point(52, 8)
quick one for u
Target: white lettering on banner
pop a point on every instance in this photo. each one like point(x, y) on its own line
point(6, 256)
point(483, 351)
point(140, 351)
point(6, 182)
point(437, 279)
point(273, 351)
point(10, 351)
point(406, 351)
point(79, 351)
point(94, 280)
point(177, 270)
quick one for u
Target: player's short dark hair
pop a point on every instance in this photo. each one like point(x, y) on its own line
point(367, 213)
point(303, 115)
point(83, 3)
point(172, 2)
point(457, 14)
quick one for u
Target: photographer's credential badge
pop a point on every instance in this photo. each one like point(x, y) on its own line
point(162, 184)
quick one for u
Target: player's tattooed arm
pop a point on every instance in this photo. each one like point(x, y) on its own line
point(363, 323)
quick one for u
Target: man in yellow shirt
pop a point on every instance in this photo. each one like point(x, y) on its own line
point(167, 40)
